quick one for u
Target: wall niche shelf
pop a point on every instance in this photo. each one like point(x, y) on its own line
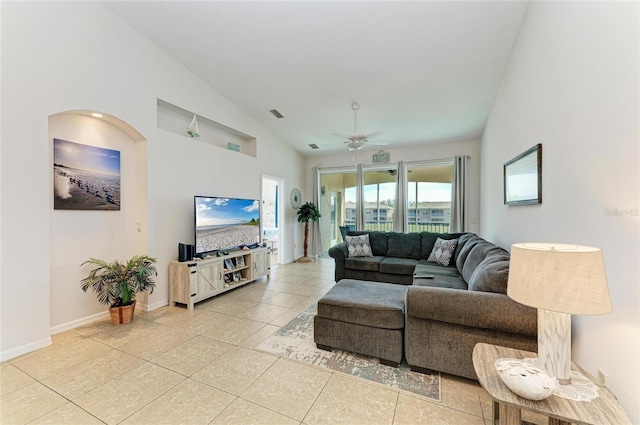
point(175, 119)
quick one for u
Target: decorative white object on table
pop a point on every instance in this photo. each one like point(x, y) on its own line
point(525, 379)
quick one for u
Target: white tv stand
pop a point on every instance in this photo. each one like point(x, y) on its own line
point(197, 280)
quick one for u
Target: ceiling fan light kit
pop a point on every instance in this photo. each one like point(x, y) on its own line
point(354, 146)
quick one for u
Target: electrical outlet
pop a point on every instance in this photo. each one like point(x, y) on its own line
point(602, 378)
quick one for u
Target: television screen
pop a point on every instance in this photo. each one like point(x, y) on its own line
point(225, 223)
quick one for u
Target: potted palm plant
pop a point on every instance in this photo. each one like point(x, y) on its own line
point(307, 211)
point(116, 284)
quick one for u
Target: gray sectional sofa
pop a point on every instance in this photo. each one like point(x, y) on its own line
point(451, 309)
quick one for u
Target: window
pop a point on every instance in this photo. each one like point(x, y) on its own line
point(437, 215)
point(429, 196)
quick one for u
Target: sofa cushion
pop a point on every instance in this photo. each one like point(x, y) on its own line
point(427, 241)
point(371, 264)
point(491, 275)
point(442, 281)
point(472, 309)
point(377, 240)
point(394, 265)
point(403, 245)
point(465, 244)
point(358, 246)
point(435, 269)
point(478, 253)
point(443, 251)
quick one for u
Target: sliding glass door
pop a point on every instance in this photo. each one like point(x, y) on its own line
point(429, 196)
point(337, 204)
point(379, 198)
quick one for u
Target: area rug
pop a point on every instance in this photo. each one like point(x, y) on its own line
point(295, 341)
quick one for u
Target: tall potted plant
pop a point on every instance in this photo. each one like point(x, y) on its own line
point(307, 211)
point(116, 284)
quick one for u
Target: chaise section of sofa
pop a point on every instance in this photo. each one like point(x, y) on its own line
point(443, 325)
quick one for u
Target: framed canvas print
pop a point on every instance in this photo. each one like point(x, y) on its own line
point(523, 178)
point(85, 177)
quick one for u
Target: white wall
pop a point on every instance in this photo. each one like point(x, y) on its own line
point(424, 152)
point(77, 235)
point(572, 85)
point(77, 55)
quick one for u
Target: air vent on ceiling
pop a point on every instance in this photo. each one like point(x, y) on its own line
point(313, 146)
point(276, 113)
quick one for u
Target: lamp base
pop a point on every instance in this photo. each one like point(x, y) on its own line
point(554, 344)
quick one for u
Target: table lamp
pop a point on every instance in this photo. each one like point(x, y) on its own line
point(559, 280)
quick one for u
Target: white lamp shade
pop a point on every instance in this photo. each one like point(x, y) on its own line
point(558, 277)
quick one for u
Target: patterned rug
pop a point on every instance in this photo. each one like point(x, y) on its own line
point(295, 341)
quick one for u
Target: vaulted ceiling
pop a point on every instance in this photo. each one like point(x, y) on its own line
point(422, 71)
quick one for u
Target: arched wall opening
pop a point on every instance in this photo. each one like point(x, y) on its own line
point(77, 235)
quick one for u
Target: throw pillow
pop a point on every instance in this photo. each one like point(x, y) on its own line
point(358, 246)
point(442, 252)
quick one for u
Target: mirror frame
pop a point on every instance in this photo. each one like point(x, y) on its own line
point(528, 162)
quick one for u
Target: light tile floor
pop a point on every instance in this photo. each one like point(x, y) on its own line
point(174, 366)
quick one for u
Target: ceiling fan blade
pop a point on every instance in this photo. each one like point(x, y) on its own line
point(378, 142)
point(374, 134)
point(342, 136)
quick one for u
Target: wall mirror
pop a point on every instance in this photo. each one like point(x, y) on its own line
point(523, 178)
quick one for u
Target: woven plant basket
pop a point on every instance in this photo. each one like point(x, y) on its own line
point(122, 315)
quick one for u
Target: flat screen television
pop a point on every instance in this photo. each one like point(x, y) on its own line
point(225, 223)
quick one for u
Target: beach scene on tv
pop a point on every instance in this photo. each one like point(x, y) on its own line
point(85, 177)
point(226, 223)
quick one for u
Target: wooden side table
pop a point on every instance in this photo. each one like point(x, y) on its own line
point(507, 405)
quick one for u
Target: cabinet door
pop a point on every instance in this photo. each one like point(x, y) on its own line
point(209, 279)
point(260, 264)
point(182, 283)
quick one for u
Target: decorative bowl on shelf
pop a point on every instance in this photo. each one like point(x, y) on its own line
point(525, 379)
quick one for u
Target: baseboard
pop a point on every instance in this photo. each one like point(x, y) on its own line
point(24, 349)
point(27, 348)
point(78, 322)
point(102, 315)
point(158, 304)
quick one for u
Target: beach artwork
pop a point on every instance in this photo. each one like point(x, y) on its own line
point(85, 177)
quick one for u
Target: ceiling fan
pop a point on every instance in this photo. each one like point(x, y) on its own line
point(356, 140)
point(391, 172)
